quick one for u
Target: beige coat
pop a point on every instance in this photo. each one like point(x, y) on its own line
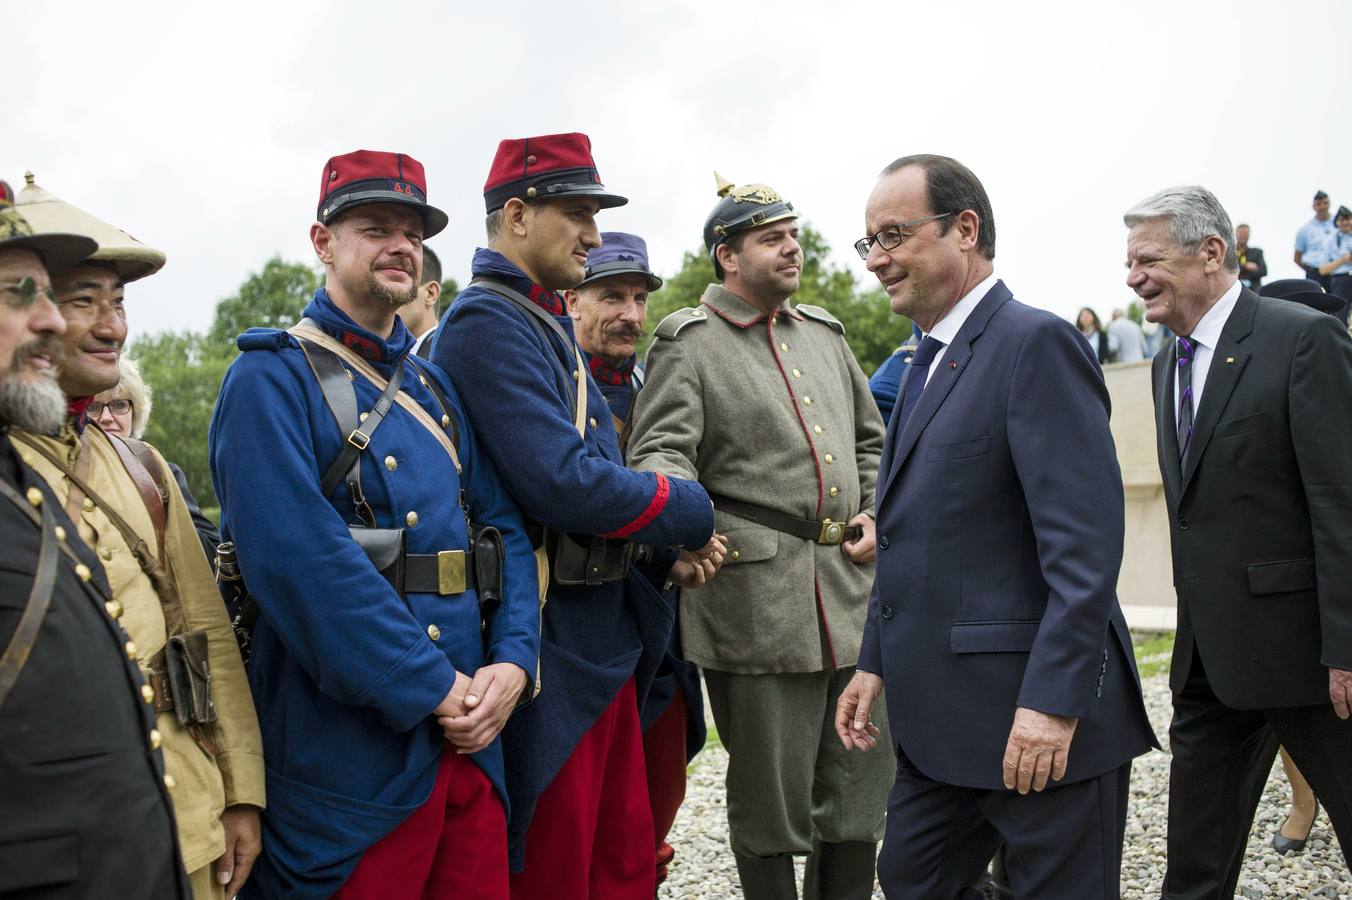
point(776, 413)
point(201, 786)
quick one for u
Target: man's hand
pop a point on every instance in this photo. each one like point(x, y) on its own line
point(1340, 692)
point(488, 701)
point(243, 843)
point(695, 569)
point(862, 550)
point(852, 711)
point(1039, 746)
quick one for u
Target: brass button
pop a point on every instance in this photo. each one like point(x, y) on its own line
point(147, 693)
point(88, 505)
point(130, 647)
point(114, 608)
point(35, 496)
point(736, 554)
point(351, 376)
point(784, 347)
point(423, 379)
point(412, 518)
point(362, 417)
point(60, 533)
point(807, 401)
point(106, 552)
point(169, 781)
point(697, 313)
point(391, 463)
point(155, 739)
point(83, 571)
point(592, 422)
point(817, 429)
point(434, 632)
point(797, 373)
point(830, 459)
point(834, 490)
point(445, 421)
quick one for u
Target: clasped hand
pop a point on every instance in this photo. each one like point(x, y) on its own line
point(695, 568)
point(476, 709)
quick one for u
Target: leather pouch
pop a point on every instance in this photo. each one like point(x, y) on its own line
point(585, 559)
point(487, 554)
point(385, 548)
point(189, 671)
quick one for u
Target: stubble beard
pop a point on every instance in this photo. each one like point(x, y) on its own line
point(395, 299)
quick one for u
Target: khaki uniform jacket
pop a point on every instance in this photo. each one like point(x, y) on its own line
point(201, 786)
point(776, 412)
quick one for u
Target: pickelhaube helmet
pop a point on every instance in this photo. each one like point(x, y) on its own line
point(741, 208)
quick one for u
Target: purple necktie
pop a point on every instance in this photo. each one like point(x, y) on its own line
point(1185, 358)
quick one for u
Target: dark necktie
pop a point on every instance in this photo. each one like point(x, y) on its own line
point(1186, 353)
point(914, 381)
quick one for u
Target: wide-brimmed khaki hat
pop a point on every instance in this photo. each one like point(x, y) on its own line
point(48, 213)
point(59, 252)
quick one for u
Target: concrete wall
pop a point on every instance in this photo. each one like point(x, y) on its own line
point(1145, 587)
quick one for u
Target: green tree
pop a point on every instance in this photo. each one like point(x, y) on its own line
point(272, 298)
point(1136, 312)
point(871, 329)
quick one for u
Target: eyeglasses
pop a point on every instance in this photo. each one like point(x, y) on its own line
point(892, 237)
point(118, 407)
point(27, 291)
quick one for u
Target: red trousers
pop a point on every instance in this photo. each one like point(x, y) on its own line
point(664, 757)
point(592, 834)
point(453, 847)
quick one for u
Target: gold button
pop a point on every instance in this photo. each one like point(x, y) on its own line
point(830, 459)
point(445, 421)
point(362, 417)
point(807, 401)
point(784, 347)
point(422, 379)
point(697, 313)
point(169, 781)
point(35, 496)
point(351, 376)
point(391, 463)
point(114, 608)
point(106, 552)
point(147, 693)
point(60, 533)
point(412, 518)
point(591, 422)
point(834, 490)
point(155, 739)
point(434, 632)
point(817, 429)
point(736, 554)
point(83, 571)
point(130, 647)
point(88, 505)
point(797, 373)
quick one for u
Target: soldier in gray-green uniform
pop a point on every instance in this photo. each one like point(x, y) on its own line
point(763, 402)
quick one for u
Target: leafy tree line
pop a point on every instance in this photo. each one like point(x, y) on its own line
point(184, 369)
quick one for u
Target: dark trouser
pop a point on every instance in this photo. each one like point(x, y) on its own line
point(1313, 274)
point(1221, 761)
point(664, 762)
point(1064, 842)
point(1341, 286)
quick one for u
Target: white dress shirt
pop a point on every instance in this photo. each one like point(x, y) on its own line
point(1204, 338)
point(947, 328)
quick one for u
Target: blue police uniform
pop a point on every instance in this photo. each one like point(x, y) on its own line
point(517, 393)
point(345, 671)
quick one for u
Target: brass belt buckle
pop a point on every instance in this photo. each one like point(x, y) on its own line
point(831, 532)
point(451, 572)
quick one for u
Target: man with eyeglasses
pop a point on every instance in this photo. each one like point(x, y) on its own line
point(762, 402)
point(129, 510)
point(1011, 687)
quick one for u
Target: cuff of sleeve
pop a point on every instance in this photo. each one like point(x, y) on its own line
point(412, 688)
point(242, 776)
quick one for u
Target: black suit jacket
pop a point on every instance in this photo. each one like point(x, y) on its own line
point(1260, 510)
point(1255, 278)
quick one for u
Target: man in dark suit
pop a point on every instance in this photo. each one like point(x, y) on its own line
point(1011, 686)
point(1252, 402)
point(1252, 266)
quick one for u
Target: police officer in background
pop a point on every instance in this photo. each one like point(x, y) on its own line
point(84, 810)
point(762, 401)
point(610, 309)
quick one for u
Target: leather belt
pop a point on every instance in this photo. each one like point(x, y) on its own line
point(438, 573)
point(823, 532)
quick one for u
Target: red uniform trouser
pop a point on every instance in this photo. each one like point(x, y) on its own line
point(664, 758)
point(591, 837)
point(453, 847)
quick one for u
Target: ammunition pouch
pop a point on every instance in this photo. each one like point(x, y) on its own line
point(189, 673)
point(588, 559)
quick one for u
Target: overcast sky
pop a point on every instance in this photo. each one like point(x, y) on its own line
point(205, 133)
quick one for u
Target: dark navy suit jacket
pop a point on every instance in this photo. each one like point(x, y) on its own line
point(1000, 528)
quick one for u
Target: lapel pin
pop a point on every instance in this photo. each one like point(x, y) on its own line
point(1229, 360)
point(952, 363)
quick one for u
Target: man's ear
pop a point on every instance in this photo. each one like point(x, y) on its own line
point(433, 295)
point(969, 226)
point(727, 258)
point(1213, 253)
point(574, 303)
point(322, 239)
point(514, 216)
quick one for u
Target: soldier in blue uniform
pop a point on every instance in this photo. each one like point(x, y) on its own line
point(381, 673)
point(610, 309)
point(885, 382)
point(580, 823)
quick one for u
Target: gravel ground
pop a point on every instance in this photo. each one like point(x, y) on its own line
point(704, 868)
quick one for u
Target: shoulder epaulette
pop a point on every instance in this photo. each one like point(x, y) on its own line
point(672, 324)
point(821, 315)
point(264, 339)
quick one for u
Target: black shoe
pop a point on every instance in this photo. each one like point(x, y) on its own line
point(997, 887)
point(842, 871)
point(767, 877)
point(1284, 844)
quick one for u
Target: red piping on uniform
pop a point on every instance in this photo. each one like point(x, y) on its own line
point(654, 509)
point(770, 332)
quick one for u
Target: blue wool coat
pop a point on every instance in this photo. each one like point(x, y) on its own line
point(593, 638)
point(345, 672)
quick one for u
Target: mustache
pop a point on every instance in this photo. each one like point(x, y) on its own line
point(50, 346)
point(627, 331)
point(398, 262)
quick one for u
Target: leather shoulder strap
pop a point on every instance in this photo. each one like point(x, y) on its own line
point(142, 467)
point(20, 646)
